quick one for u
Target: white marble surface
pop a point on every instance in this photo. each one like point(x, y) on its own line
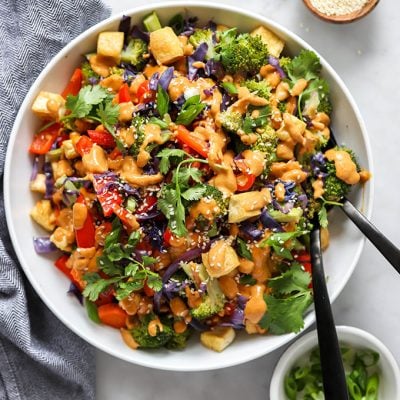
point(366, 54)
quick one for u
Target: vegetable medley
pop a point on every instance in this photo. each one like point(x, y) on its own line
point(180, 172)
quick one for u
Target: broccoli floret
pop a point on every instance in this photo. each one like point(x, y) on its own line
point(222, 202)
point(117, 71)
point(178, 341)
point(232, 121)
point(241, 53)
point(203, 36)
point(261, 88)
point(138, 122)
point(145, 340)
point(334, 188)
point(134, 53)
point(267, 142)
point(213, 300)
point(284, 62)
point(87, 72)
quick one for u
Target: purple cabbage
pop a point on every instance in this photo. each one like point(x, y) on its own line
point(147, 216)
point(130, 72)
point(198, 55)
point(172, 287)
point(198, 325)
point(74, 291)
point(93, 80)
point(48, 171)
point(303, 199)
point(153, 83)
point(318, 165)
point(214, 68)
point(210, 91)
point(275, 63)
point(125, 26)
point(226, 101)
point(189, 255)
point(43, 245)
point(154, 233)
point(166, 77)
point(35, 168)
point(269, 222)
point(285, 209)
point(137, 33)
point(236, 320)
point(250, 230)
point(211, 25)
point(189, 26)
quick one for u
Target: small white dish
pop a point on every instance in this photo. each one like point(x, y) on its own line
point(389, 384)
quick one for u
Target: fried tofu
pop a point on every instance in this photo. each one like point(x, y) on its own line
point(165, 46)
point(110, 44)
point(274, 43)
point(218, 339)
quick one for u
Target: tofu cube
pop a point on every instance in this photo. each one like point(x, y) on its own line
point(274, 43)
point(109, 44)
point(48, 105)
point(165, 46)
point(218, 339)
point(69, 149)
point(38, 184)
point(44, 215)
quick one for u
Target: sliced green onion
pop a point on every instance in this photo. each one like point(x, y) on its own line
point(354, 389)
point(230, 87)
point(372, 388)
point(131, 204)
point(290, 387)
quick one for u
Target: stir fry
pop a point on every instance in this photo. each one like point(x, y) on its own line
point(179, 174)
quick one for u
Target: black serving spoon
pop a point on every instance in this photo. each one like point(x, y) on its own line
point(333, 375)
point(377, 238)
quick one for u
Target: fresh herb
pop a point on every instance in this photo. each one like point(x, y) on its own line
point(157, 121)
point(173, 195)
point(323, 212)
point(289, 299)
point(127, 276)
point(170, 155)
point(279, 242)
point(108, 114)
point(91, 310)
point(306, 65)
point(243, 249)
point(177, 23)
point(190, 110)
point(162, 101)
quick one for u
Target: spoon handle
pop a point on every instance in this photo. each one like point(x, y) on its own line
point(380, 241)
point(333, 374)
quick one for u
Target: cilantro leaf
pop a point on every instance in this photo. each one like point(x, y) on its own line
point(190, 110)
point(243, 249)
point(154, 281)
point(315, 95)
point(294, 279)
point(107, 266)
point(147, 260)
point(285, 315)
point(108, 114)
point(323, 216)
point(183, 175)
point(306, 65)
point(194, 193)
point(96, 286)
point(126, 288)
point(289, 299)
point(168, 155)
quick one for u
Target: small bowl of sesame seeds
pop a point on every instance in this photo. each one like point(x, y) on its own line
point(341, 11)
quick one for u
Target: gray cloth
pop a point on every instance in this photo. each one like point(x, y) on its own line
point(39, 357)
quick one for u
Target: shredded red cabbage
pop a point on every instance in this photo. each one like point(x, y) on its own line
point(198, 55)
point(153, 82)
point(214, 68)
point(269, 222)
point(166, 77)
point(74, 291)
point(137, 33)
point(35, 168)
point(48, 171)
point(125, 26)
point(250, 230)
point(43, 245)
point(275, 63)
point(189, 26)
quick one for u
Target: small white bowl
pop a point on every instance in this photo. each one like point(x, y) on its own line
point(389, 378)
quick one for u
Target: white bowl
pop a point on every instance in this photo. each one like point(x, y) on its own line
point(50, 284)
point(389, 373)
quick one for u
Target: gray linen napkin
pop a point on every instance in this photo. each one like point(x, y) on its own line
point(39, 357)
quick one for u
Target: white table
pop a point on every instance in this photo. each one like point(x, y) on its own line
point(366, 54)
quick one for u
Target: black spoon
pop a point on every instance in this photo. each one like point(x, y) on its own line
point(333, 375)
point(377, 238)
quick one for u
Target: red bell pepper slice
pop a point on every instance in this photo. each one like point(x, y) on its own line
point(167, 235)
point(304, 258)
point(245, 182)
point(123, 94)
point(188, 138)
point(144, 93)
point(148, 204)
point(108, 197)
point(61, 264)
point(74, 85)
point(148, 291)
point(106, 297)
point(85, 237)
point(102, 138)
point(43, 140)
point(84, 145)
point(113, 315)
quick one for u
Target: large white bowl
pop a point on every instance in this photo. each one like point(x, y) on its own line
point(51, 285)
